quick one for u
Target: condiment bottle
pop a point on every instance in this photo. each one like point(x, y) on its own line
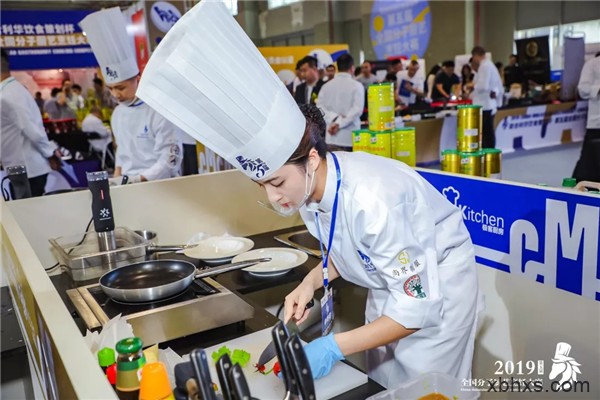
point(106, 358)
point(111, 375)
point(130, 361)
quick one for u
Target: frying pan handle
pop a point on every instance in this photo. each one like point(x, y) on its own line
point(230, 267)
point(160, 249)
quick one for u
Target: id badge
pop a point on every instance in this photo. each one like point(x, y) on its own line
point(327, 312)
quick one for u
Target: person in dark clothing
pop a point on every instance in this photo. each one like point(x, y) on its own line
point(466, 81)
point(297, 80)
point(588, 165)
point(512, 72)
point(308, 91)
point(444, 82)
point(430, 81)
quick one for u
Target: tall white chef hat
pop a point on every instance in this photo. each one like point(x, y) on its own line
point(207, 77)
point(107, 35)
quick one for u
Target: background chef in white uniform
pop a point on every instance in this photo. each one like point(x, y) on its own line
point(394, 233)
point(23, 139)
point(147, 144)
point(488, 92)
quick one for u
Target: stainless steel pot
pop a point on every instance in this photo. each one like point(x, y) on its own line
point(158, 279)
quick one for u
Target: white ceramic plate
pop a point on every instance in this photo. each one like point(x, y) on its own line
point(219, 249)
point(282, 260)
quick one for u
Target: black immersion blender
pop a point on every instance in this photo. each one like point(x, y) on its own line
point(102, 213)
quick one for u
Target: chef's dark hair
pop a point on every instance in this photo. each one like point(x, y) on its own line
point(313, 137)
point(5, 64)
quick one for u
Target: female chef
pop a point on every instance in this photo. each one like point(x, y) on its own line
point(386, 228)
point(393, 233)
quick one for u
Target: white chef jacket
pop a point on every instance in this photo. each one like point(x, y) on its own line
point(343, 101)
point(487, 80)
point(399, 237)
point(146, 142)
point(91, 123)
point(23, 138)
point(589, 89)
point(417, 82)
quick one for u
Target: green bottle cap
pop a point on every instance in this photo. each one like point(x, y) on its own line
point(106, 357)
point(464, 106)
point(569, 182)
point(129, 345)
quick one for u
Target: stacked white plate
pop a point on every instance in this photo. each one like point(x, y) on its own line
point(219, 249)
point(282, 260)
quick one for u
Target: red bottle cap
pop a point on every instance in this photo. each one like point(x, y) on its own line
point(111, 374)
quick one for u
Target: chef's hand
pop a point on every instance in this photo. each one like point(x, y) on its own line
point(322, 354)
point(55, 160)
point(333, 129)
point(296, 301)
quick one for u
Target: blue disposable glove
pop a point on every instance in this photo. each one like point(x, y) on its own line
point(322, 354)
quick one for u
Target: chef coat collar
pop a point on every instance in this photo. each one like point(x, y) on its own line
point(136, 102)
point(326, 203)
point(7, 81)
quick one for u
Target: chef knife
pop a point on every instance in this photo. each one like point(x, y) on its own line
point(300, 368)
point(183, 374)
point(200, 364)
point(280, 336)
point(269, 351)
point(223, 366)
point(239, 383)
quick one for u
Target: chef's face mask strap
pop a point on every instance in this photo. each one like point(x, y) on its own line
point(308, 187)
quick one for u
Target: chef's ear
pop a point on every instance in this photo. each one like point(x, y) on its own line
point(313, 160)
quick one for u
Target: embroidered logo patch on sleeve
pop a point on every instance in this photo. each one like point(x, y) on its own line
point(367, 263)
point(414, 288)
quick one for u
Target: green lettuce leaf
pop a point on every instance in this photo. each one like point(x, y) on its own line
point(223, 350)
point(240, 357)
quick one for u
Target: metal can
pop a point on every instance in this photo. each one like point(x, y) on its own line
point(451, 161)
point(493, 163)
point(380, 100)
point(381, 144)
point(404, 146)
point(360, 140)
point(468, 132)
point(471, 163)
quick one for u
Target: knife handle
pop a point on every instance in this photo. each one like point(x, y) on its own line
point(183, 373)
point(280, 336)
point(200, 365)
point(239, 383)
point(300, 368)
point(223, 366)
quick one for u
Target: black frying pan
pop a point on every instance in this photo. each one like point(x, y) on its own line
point(158, 279)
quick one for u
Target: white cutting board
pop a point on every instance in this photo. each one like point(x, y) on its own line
point(269, 387)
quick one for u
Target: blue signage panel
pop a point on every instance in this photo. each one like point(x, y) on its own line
point(551, 237)
point(45, 39)
point(400, 28)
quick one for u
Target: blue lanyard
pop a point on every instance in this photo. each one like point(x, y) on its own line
point(332, 226)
